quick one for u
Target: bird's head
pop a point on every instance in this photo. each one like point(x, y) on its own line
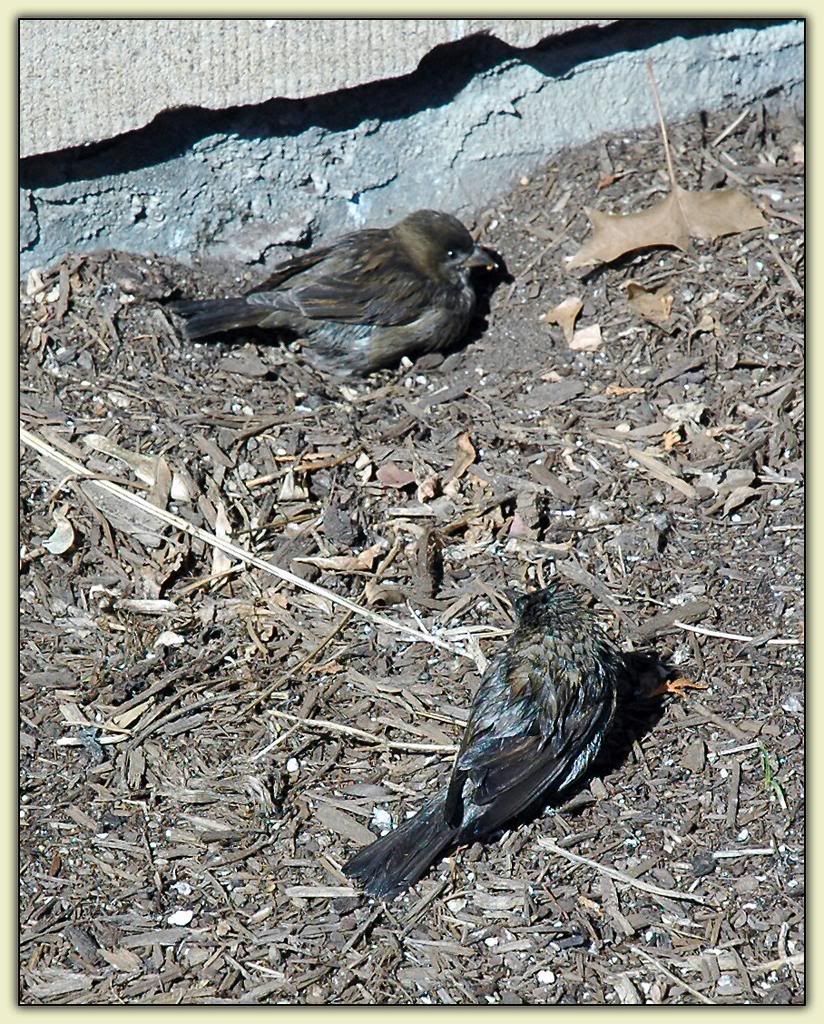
point(440, 246)
point(546, 607)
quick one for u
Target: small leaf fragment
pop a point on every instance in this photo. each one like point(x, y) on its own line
point(291, 489)
point(362, 562)
point(464, 457)
point(221, 562)
point(652, 304)
point(565, 314)
point(737, 497)
point(62, 537)
point(390, 474)
point(586, 339)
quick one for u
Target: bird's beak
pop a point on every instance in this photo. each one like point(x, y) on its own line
point(479, 257)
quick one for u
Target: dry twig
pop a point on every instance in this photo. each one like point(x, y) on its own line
point(704, 631)
point(367, 737)
point(621, 876)
point(80, 471)
point(673, 977)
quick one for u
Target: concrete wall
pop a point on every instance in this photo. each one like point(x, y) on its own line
point(85, 80)
point(471, 117)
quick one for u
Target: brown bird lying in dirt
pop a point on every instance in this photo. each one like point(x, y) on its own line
point(367, 299)
point(537, 721)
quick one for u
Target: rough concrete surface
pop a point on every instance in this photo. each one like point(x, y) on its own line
point(87, 79)
point(454, 133)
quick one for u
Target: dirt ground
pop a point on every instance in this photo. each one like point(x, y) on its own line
point(203, 744)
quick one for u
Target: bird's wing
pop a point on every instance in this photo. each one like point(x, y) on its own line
point(291, 268)
point(533, 763)
point(503, 774)
point(357, 280)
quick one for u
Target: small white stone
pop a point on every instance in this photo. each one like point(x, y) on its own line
point(546, 977)
point(170, 639)
point(292, 766)
point(181, 917)
point(381, 818)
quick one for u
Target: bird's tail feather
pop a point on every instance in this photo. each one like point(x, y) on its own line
point(397, 860)
point(211, 316)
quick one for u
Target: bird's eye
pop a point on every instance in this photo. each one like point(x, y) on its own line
point(451, 254)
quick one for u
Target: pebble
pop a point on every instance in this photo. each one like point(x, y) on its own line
point(703, 863)
point(728, 985)
point(381, 818)
point(181, 918)
point(695, 756)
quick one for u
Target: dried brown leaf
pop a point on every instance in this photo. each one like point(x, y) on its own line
point(606, 180)
point(391, 474)
point(673, 221)
point(737, 497)
point(652, 304)
point(587, 339)
point(429, 488)
point(464, 457)
point(361, 562)
point(221, 562)
point(122, 959)
point(148, 468)
point(62, 539)
point(565, 314)
point(291, 489)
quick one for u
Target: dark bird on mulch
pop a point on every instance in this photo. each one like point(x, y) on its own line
point(364, 301)
point(537, 722)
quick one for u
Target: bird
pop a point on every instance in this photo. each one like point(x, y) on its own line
point(365, 300)
point(536, 723)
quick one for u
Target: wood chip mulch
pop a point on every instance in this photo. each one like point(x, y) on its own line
point(203, 743)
